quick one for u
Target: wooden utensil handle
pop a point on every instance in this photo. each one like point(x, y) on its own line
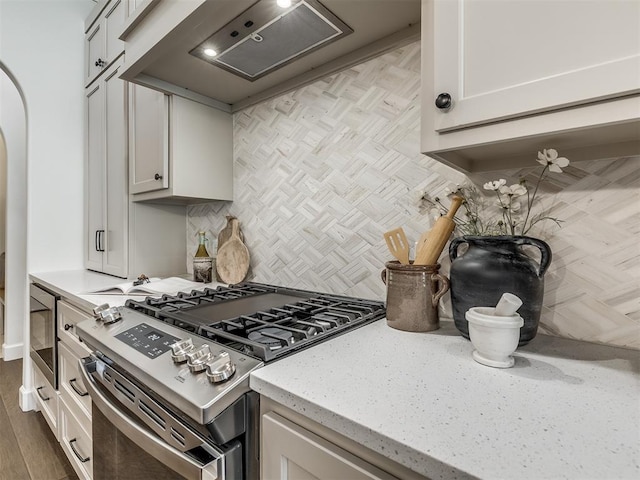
point(439, 235)
point(456, 201)
point(235, 228)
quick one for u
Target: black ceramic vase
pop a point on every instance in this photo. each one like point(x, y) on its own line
point(492, 266)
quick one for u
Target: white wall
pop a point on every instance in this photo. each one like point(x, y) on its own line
point(13, 124)
point(42, 47)
point(42, 42)
point(3, 192)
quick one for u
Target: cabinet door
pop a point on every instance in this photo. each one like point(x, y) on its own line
point(95, 175)
point(500, 59)
point(148, 140)
point(115, 260)
point(107, 198)
point(114, 19)
point(289, 452)
point(102, 45)
point(95, 59)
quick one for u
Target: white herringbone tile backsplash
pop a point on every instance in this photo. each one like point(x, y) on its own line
point(322, 172)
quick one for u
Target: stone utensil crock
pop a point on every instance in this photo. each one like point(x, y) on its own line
point(413, 293)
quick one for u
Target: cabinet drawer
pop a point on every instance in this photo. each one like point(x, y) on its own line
point(76, 442)
point(289, 451)
point(71, 384)
point(47, 399)
point(68, 317)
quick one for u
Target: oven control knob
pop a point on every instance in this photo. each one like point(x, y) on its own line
point(180, 349)
point(197, 359)
point(107, 315)
point(220, 368)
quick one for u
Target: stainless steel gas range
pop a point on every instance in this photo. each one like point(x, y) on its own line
point(169, 376)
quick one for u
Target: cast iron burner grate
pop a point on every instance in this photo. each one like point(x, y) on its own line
point(261, 320)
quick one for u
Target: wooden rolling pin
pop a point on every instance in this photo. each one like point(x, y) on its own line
point(430, 250)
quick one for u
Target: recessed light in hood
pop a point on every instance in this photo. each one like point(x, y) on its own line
point(266, 37)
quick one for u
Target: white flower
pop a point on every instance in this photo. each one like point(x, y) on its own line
point(495, 185)
point(510, 203)
point(550, 157)
point(514, 190)
point(515, 206)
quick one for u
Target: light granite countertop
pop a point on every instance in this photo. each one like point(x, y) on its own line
point(75, 285)
point(566, 410)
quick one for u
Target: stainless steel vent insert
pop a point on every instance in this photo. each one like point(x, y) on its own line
point(266, 37)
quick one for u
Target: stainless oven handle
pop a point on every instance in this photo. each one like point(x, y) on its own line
point(152, 444)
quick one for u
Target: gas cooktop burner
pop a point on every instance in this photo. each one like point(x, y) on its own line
point(261, 320)
point(274, 338)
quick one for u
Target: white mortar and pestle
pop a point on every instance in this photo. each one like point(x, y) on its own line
point(495, 332)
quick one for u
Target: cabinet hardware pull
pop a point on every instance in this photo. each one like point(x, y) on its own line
point(46, 399)
point(80, 457)
point(80, 393)
point(443, 101)
point(68, 326)
point(157, 176)
point(99, 240)
point(100, 63)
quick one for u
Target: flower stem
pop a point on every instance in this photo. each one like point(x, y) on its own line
point(530, 200)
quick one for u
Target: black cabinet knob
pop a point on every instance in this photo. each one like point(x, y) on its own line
point(157, 176)
point(68, 326)
point(100, 63)
point(443, 101)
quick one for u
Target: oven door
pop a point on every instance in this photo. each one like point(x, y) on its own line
point(42, 328)
point(136, 437)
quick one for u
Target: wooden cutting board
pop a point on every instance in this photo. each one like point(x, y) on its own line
point(225, 233)
point(232, 262)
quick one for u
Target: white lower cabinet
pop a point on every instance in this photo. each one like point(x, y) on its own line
point(75, 438)
point(293, 453)
point(46, 398)
point(295, 447)
point(71, 385)
point(74, 418)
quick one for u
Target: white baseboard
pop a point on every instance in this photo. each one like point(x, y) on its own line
point(26, 400)
point(12, 352)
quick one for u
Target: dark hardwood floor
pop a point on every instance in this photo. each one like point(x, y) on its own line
point(28, 448)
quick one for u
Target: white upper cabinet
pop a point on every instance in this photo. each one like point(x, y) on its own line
point(527, 75)
point(102, 44)
point(149, 144)
point(499, 59)
point(180, 151)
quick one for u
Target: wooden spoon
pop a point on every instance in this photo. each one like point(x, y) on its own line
point(232, 262)
point(398, 245)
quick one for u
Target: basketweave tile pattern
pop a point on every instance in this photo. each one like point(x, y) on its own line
point(323, 171)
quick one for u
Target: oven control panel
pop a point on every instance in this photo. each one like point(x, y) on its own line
point(147, 340)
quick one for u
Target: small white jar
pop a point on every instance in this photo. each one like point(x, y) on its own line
point(495, 338)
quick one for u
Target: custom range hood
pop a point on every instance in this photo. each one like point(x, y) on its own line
point(261, 49)
point(269, 35)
